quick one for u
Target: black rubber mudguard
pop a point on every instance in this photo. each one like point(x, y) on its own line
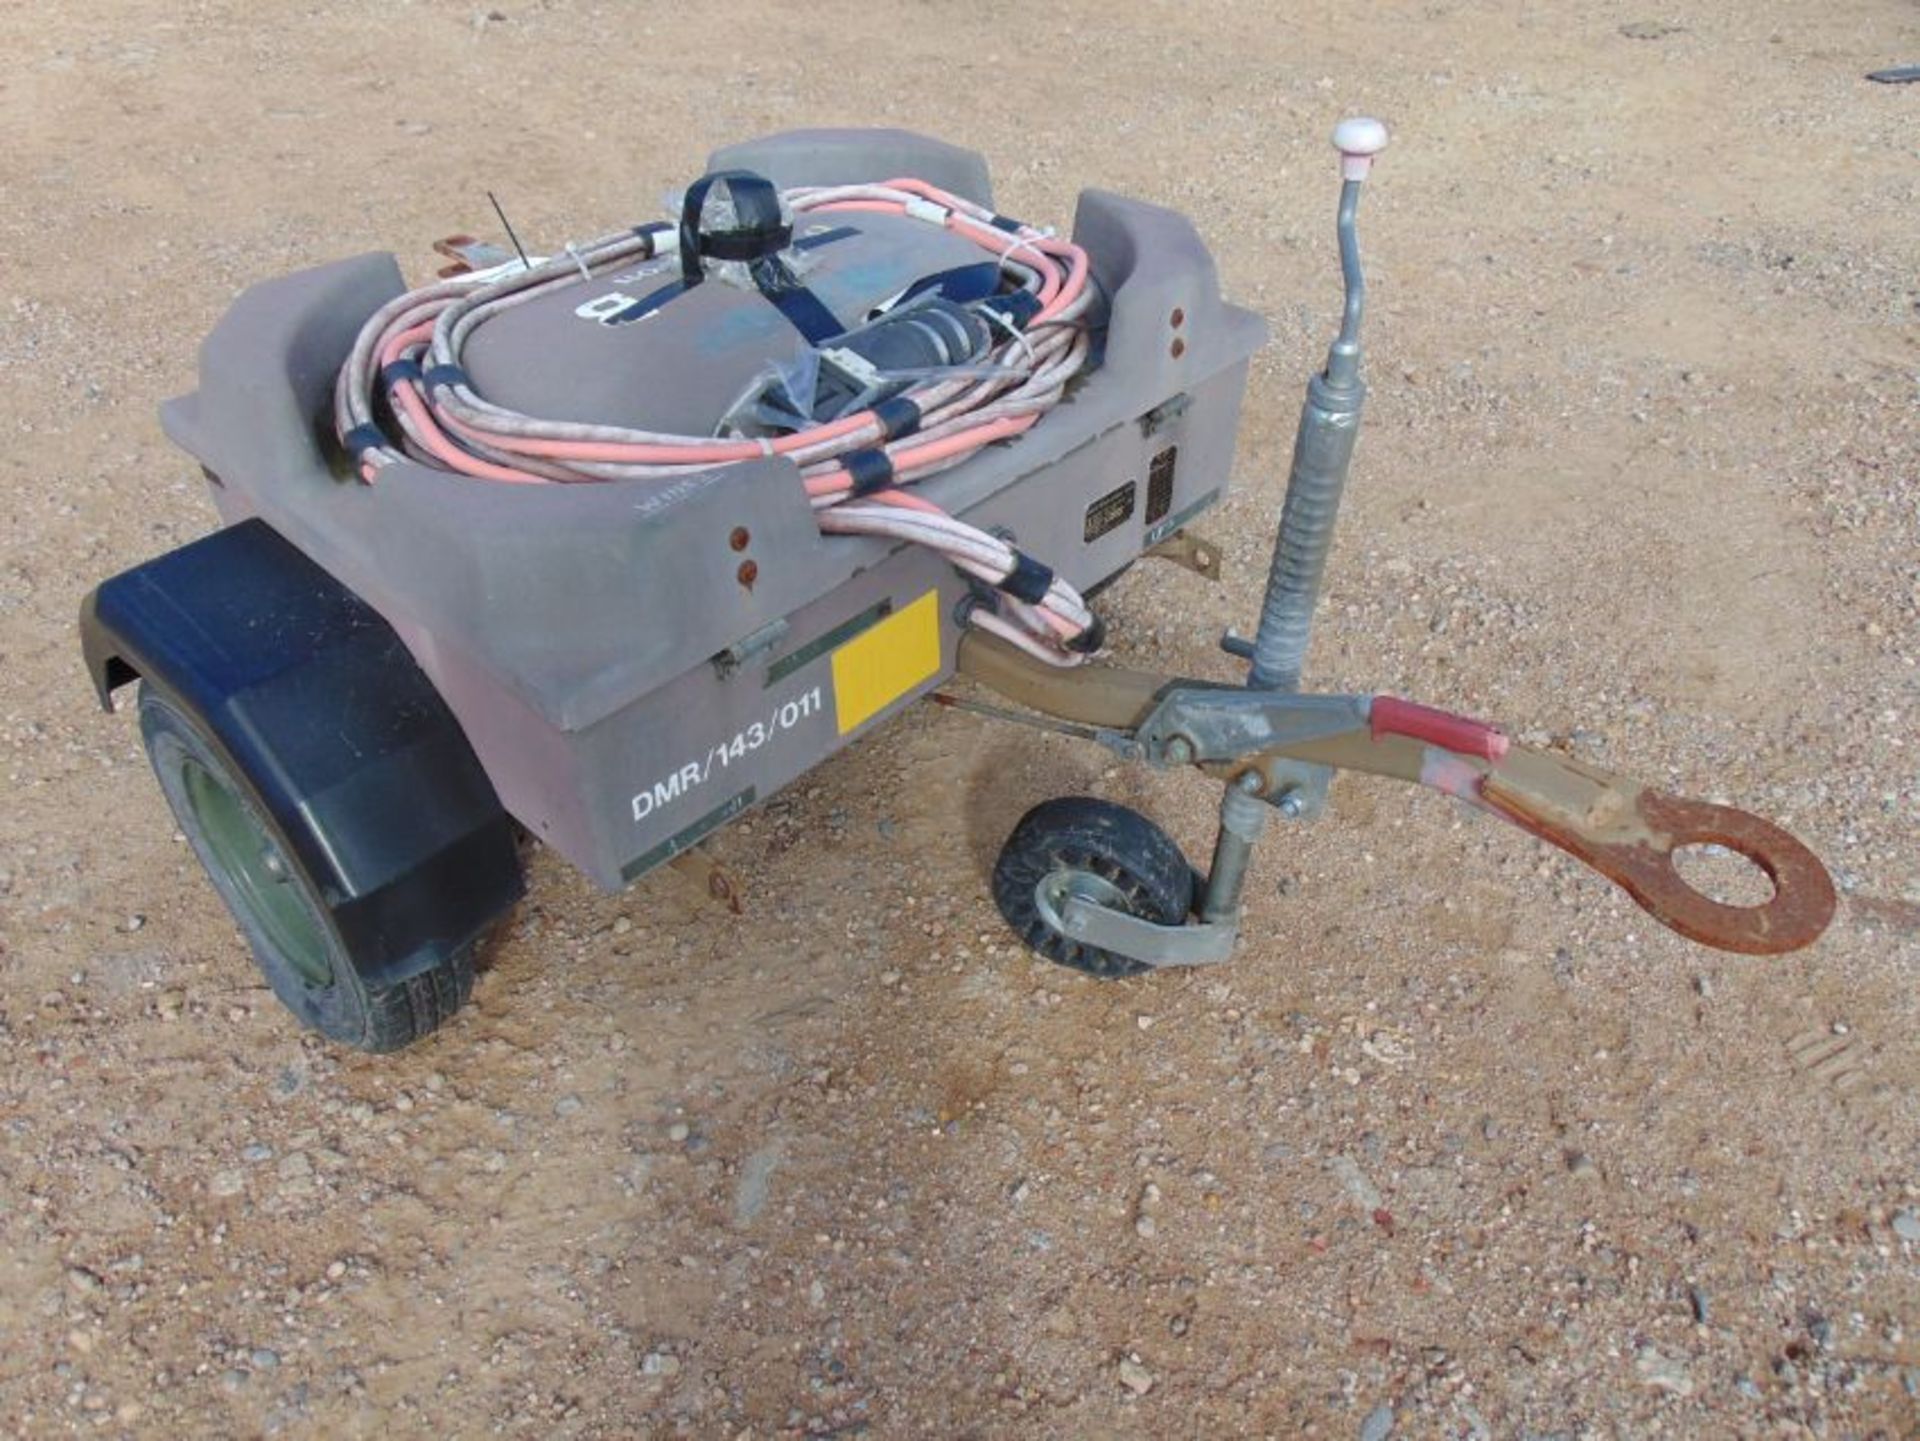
point(350, 749)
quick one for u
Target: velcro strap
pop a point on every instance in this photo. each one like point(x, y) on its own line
point(804, 310)
point(647, 303)
point(898, 416)
point(1016, 308)
point(745, 244)
point(1029, 580)
point(759, 230)
point(363, 438)
point(400, 370)
point(1008, 224)
point(869, 470)
point(439, 375)
point(757, 237)
point(961, 284)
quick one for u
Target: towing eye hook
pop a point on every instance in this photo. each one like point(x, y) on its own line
point(1641, 863)
point(1626, 831)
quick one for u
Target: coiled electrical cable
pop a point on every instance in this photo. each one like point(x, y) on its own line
point(411, 348)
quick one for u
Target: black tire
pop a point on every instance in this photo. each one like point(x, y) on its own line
point(274, 900)
point(1120, 856)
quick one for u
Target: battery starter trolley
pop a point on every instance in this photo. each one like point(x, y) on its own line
point(606, 546)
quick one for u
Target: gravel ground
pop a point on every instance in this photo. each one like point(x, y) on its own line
point(1460, 1144)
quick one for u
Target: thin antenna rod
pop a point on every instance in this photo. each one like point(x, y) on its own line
point(510, 235)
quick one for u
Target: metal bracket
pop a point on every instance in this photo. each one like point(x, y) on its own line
point(468, 255)
point(1194, 725)
point(1188, 550)
point(1297, 789)
point(1159, 946)
point(720, 883)
point(1229, 723)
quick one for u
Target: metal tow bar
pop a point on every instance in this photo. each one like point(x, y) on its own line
point(1276, 749)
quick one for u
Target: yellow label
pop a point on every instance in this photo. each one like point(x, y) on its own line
point(885, 661)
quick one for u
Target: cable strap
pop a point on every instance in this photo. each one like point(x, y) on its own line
point(652, 231)
point(898, 416)
point(1029, 580)
point(363, 438)
point(869, 470)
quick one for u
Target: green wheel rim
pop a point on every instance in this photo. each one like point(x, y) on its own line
point(261, 876)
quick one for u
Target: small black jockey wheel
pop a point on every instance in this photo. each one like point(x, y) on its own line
point(1077, 845)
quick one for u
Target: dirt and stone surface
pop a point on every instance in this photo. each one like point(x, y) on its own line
point(1461, 1144)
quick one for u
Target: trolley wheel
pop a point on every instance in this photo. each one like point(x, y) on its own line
point(275, 900)
point(1077, 845)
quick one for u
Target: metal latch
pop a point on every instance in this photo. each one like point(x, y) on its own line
point(1165, 413)
point(729, 661)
